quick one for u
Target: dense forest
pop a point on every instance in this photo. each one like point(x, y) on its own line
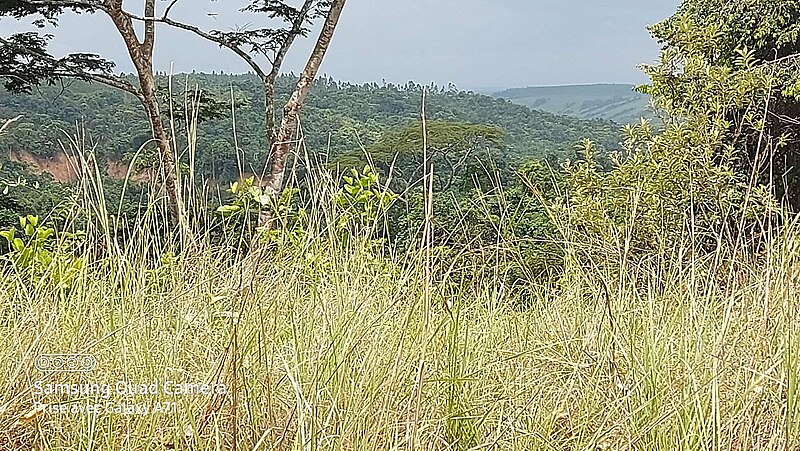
point(339, 117)
point(479, 143)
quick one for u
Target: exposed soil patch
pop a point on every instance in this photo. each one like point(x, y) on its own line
point(60, 166)
point(63, 168)
point(119, 170)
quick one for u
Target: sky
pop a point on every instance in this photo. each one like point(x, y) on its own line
point(474, 44)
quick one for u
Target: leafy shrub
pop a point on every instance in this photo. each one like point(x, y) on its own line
point(731, 69)
point(250, 203)
point(362, 201)
point(672, 185)
point(34, 252)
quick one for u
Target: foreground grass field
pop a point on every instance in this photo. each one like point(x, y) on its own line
point(322, 345)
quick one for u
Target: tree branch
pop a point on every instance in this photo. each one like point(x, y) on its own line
point(280, 146)
point(169, 8)
point(203, 34)
point(277, 63)
point(297, 28)
point(149, 27)
point(64, 71)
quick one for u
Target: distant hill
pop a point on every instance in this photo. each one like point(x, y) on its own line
point(337, 119)
point(616, 102)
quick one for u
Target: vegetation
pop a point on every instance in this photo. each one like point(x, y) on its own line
point(25, 63)
point(338, 117)
point(733, 69)
point(443, 270)
point(324, 344)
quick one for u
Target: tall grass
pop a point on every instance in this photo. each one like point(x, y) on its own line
point(345, 345)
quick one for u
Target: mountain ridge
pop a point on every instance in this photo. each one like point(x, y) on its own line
point(617, 102)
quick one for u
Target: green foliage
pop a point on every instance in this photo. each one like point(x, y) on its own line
point(671, 185)
point(440, 136)
point(461, 154)
point(250, 202)
point(26, 63)
point(22, 192)
point(725, 72)
point(474, 143)
point(33, 252)
point(250, 198)
point(337, 116)
point(362, 200)
point(187, 104)
point(731, 69)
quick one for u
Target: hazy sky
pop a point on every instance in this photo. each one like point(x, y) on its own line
point(472, 43)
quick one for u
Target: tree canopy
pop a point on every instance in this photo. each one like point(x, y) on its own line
point(734, 69)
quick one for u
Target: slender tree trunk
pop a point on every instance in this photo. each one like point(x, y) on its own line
point(269, 111)
point(271, 78)
point(141, 54)
point(148, 84)
point(291, 112)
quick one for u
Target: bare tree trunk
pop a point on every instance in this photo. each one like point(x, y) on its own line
point(270, 79)
point(142, 57)
point(291, 112)
point(162, 137)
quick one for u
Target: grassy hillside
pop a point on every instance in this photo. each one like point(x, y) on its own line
point(322, 344)
point(328, 337)
point(615, 102)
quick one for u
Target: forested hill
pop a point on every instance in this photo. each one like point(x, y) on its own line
point(337, 119)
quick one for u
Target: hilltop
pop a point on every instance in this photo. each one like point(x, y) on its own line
point(615, 102)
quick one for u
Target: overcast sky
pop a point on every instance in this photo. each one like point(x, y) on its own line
point(472, 43)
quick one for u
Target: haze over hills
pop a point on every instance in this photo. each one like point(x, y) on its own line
point(616, 102)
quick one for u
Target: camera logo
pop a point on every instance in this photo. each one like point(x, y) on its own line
point(65, 363)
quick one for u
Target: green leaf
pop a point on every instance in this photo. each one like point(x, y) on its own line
point(228, 209)
point(264, 199)
point(8, 234)
point(255, 191)
point(44, 257)
point(44, 233)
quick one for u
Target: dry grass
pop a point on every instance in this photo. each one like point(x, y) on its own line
point(324, 346)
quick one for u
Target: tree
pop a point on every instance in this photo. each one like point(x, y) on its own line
point(732, 68)
point(291, 112)
point(25, 63)
point(272, 45)
point(729, 148)
point(463, 155)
